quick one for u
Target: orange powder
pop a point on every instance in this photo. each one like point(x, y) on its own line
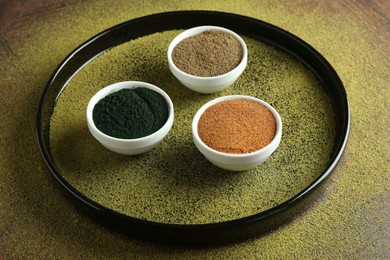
point(237, 126)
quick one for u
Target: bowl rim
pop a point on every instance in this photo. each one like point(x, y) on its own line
point(117, 86)
point(183, 35)
point(274, 142)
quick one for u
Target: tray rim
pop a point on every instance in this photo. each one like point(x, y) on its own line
point(221, 232)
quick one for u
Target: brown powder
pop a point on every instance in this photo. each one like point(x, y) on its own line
point(237, 126)
point(207, 54)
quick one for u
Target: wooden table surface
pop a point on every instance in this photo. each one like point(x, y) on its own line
point(349, 221)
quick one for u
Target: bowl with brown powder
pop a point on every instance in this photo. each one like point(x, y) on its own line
point(237, 132)
point(207, 59)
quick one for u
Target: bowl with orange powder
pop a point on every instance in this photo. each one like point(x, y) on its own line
point(237, 132)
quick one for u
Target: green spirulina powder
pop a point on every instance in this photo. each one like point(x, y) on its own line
point(131, 113)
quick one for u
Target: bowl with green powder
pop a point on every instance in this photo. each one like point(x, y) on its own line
point(130, 117)
point(207, 59)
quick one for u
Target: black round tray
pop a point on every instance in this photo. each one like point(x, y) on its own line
point(222, 232)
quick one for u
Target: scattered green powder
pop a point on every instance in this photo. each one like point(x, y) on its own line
point(174, 183)
point(131, 113)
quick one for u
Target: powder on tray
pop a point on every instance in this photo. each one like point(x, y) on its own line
point(207, 54)
point(173, 183)
point(237, 126)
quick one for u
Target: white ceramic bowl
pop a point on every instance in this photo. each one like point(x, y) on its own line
point(236, 162)
point(206, 84)
point(129, 146)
